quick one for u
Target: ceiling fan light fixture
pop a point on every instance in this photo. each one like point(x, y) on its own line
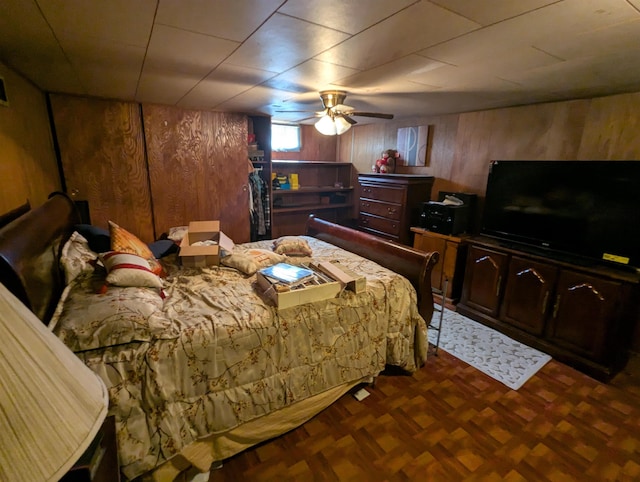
point(331, 125)
point(326, 126)
point(342, 125)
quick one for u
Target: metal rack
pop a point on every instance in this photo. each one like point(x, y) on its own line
point(440, 310)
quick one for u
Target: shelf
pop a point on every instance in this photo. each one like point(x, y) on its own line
point(311, 207)
point(311, 190)
point(310, 163)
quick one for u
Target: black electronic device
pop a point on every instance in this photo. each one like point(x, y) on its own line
point(448, 219)
point(587, 210)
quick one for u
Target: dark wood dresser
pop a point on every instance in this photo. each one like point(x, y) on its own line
point(391, 203)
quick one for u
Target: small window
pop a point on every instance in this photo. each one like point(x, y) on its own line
point(285, 137)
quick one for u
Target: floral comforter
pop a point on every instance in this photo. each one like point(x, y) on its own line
point(214, 354)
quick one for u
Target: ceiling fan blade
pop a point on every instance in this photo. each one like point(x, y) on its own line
point(295, 111)
point(372, 114)
point(349, 119)
point(343, 108)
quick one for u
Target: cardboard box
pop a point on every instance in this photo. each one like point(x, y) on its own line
point(347, 278)
point(297, 296)
point(202, 256)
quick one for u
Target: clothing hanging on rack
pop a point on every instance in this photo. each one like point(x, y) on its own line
point(258, 206)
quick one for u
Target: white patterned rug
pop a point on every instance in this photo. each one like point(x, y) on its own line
point(508, 361)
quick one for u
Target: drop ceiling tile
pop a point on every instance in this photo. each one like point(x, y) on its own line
point(173, 49)
point(111, 71)
point(257, 99)
point(572, 75)
point(312, 75)
point(601, 41)
point(513, 60)
point(230, 19)
point(621, 68)
point(121, 21)
point(419, 26)
point(110, 82)
point(164, 87)
point(468, 78)
point(284, 42)
point(491, 11)
point(51, 73)
point(224, 83)
point(351, 17)
point(386, 77)
point(30, 47)
point(553, 24)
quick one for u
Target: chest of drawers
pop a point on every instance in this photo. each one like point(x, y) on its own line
point(390, 204)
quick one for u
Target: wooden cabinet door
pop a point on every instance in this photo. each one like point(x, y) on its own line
point(102, 153)
point(198, 168)
point(583, 313)
point(483, 280)
point(528, 294)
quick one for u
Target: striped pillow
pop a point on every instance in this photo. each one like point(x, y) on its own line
point(126, 242)
point(126, 269)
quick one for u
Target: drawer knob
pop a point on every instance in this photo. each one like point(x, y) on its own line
point(391, 210)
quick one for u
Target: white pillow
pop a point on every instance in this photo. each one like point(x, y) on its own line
point(77, 257)
point(126, 269)
point(251, 260)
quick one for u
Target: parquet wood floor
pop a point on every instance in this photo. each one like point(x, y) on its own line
point(450, 422)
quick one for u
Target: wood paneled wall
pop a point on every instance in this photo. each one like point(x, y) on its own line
point(28, 166)
point(198, 168)
point(149, 168)
point(603, 128)
point(103, 158)
point(315, 147)
point(464, 144)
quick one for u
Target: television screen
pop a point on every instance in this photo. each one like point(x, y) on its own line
point(587, 209)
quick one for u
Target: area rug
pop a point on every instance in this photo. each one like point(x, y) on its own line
point(508, 361)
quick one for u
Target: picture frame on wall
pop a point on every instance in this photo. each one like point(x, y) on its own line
point(414, 145)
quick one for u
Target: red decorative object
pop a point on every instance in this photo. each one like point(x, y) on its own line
point(387, 162)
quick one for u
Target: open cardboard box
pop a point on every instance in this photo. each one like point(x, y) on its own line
point(297, 296)
point(202, 256)
point(337, 278)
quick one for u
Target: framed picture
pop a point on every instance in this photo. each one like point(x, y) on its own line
point(414, 145)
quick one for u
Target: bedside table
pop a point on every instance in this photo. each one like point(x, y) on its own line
point(99, 463)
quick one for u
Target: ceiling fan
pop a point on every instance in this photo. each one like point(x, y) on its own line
point(336, 117)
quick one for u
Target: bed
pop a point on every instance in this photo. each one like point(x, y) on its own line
point(206, 366)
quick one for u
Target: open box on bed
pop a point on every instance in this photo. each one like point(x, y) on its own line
point(195, 379)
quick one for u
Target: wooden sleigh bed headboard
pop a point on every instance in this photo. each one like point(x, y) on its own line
point(30, 248)
point(31, 245)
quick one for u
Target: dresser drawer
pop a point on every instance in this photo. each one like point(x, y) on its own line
point(382, 193)
point(382, 225)
point(387, 210)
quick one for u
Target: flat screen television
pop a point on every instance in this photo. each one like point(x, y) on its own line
point(586, 210)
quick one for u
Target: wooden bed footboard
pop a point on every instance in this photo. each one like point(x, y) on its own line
point(411, 263)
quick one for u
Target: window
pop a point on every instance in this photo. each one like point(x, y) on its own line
point(285, 137)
